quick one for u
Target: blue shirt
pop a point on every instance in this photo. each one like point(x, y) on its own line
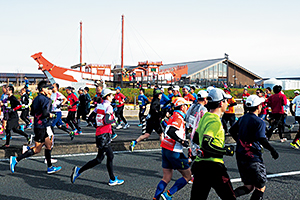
point(143, 100)
point(170, 95)
point(250, 129)
point(164, 99)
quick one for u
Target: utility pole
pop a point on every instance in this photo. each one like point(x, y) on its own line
point(122, 48)
point(80, 45)
point(227, 81)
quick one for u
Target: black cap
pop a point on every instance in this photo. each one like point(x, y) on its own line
point(44, 84)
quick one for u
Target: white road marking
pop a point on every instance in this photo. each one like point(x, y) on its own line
point(235, 180)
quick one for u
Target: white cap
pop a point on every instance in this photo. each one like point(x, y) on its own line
point(187, 87)
point(202, 94)
point(176, 88)
point(296, 92)
point(209, 88)
point(216, 95)
point(254, 100)
point(106, 92)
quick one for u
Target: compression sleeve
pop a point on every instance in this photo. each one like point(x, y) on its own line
point(75, 103)
point(107, 120)
point(264, 142)
point(172, 133)
point(210, 149)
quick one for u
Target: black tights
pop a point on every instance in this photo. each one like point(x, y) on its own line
point(109, 163)
point(72, 121)
point(8, 134)
point(120, 115)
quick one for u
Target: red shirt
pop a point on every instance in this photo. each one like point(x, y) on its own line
point(71, 100)
point(277, 101)
point(244, 97)
point(119, 99)
point(189, 97)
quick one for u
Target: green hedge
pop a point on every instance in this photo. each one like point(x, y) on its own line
point(130, 93)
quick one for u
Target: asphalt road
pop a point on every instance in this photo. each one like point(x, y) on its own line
point(141, 171)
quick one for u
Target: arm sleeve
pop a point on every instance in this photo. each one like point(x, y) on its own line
point(210, 149)
point(234, 130)
point(107, 120)
point(172, 134)
point(264, 142)
point(76, 102)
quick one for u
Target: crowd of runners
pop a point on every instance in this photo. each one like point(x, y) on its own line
point(194, 121)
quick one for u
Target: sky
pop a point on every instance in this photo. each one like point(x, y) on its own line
point(262, 36)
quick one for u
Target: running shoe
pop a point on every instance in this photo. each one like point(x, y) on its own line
point(4, 146)
point(22, 127)
point(72, 134)
point(291, 127)
point(165, 196)
point(53, 169)
point(89, 124)
point(29, 139)
point(114, 136)
point(298, 142)
point(79, 132)
point(119, 126)
point(140, 125)
point(132, 145)
point(12, 163)
point(115, 182)
point(283, 140)
point(294, 146)
point(52, 161)
point(75, 174)
point(29, 126)
point(126, 126)
point(191, 181)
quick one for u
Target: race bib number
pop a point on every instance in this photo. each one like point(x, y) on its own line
point(100, 119)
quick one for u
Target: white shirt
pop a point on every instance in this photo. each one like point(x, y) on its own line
point(57, 98)
point(296, 101)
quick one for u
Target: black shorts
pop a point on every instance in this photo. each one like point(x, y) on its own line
point(153, 124)
point(5, 116)
point(12, 123)
point(40, 134)
point(253, 173)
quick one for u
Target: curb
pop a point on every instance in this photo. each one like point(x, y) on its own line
point(61, 149)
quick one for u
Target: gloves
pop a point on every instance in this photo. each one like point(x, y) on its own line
point(185, 143)
point(229, 150)
point(274, 154)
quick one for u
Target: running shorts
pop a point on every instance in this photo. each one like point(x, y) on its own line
point(253, 173)
point(153, 124)
point(174, 160)
point(40, 134)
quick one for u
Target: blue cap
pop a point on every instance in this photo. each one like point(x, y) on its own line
point(187, 87)
point(118, 88)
